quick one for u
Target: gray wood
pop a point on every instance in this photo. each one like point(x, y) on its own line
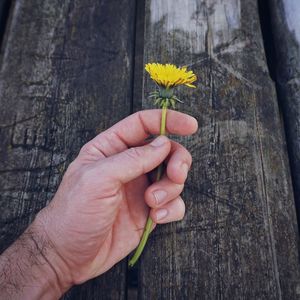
point(239, 238)
point(66, 74)
point(285, 16)
point(4, 12)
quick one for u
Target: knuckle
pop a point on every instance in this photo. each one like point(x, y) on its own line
point(134, 153)
point(180, 187)
point(73, 166)
point(73, 170)
point(91, 150)
point(181, 207)
point(85, 148)
point(150, 201)
point(185, 154)
point(85, 177)
point(153, 215)
point(189, 158)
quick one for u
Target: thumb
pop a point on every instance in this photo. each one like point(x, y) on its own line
point(136, 161)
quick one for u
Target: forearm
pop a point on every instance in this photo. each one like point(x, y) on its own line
point(30, 268)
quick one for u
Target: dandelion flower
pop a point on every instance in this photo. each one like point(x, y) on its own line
point(169, 76)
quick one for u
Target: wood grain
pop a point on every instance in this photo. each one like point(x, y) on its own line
point(4, 13)
point(285, 17)
point(66, 74)
point(239, 238)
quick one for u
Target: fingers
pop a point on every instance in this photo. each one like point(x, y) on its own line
point(164, 200)
point(163, 196)
point(136, 161)
point(170, 212)
point(140, 125)
point(179, 163)
point(134, 129)
point(161, 192)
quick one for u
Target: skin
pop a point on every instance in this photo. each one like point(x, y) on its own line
point(97, 216)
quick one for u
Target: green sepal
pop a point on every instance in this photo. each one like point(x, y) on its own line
point(172, 102)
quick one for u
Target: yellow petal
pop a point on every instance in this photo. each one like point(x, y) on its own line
point(190, 85)
point(169, 75)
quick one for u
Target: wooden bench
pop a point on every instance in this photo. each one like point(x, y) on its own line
point(71, 69)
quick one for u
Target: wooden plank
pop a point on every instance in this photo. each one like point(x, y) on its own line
point(239, 237)
point(285, 16)
point(66, 74)
point(4, 12)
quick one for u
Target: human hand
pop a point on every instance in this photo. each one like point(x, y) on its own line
point(100, 209)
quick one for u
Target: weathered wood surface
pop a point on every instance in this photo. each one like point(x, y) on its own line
point(285, 16)
point(66, 74)
point(239, 238)
point(4, 9)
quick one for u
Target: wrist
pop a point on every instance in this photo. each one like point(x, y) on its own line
point(58, 269)
point(31, 269)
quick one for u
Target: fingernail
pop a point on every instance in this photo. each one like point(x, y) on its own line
point(159, 141)
point(159, 196)
point(161, 213)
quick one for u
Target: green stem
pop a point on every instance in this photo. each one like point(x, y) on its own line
point(149, 223)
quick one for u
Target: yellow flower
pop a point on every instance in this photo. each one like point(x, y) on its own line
point(169, 76)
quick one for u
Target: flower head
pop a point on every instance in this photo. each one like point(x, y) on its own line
point(168, 76)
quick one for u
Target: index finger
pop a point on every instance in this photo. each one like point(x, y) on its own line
point(134, 129)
